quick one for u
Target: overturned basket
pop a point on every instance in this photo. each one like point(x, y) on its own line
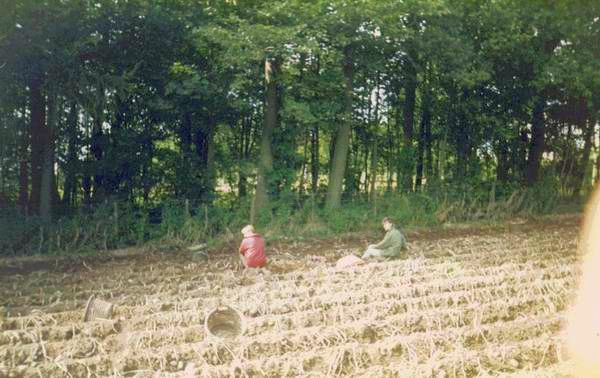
point(224, 322)
point(97, 308)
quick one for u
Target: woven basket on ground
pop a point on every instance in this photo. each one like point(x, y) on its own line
point(224, 322)
point(97, 308)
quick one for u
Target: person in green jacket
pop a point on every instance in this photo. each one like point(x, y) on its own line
point(392, 246)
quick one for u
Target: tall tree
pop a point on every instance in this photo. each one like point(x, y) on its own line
point(410, 95)
point(271, 120)
point(423, 148)
point(342, 139)
point(538, 138)
point(40, 138)
point(24, 158)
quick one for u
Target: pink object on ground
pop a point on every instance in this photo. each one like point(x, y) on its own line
point(348, 261)
point(253, 250)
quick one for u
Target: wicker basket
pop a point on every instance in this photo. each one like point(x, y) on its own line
point(97, 309)
point(224, 322)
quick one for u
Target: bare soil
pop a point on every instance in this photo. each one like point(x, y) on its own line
point(470, 300)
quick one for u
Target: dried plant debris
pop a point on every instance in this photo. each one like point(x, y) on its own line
point(486, 303)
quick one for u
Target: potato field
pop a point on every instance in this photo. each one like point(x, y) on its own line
point(467, 302)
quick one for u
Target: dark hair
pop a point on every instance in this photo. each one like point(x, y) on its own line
point(387, 220)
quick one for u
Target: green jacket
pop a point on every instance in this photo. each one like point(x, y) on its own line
point(393, 244)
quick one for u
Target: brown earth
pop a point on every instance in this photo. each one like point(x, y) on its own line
point(470, 300)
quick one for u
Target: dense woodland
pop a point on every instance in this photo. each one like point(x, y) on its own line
point(232, 109)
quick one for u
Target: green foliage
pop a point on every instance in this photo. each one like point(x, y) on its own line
point(171, 228)
point(155, 102)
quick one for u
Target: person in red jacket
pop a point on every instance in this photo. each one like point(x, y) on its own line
point(252, 249)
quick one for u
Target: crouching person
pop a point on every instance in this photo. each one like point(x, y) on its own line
point(252, 249)
point(392, 246)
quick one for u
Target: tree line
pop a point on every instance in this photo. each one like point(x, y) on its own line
point(145, 101)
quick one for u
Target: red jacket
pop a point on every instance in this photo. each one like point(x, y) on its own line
point(253, 249)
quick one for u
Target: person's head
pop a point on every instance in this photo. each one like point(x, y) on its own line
point(248, 230)
point(387, 224)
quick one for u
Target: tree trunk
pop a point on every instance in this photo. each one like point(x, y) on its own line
point(342, 141)
point(47, 183)
point(98, 145)
point(428, 151)
point(303, 168)
point(314, 159)
point(537, 146)
point(315, 142)
point(398, 149)
point(352, 175)
point(423, 138)
point(69, 169)
point(441, 166)
point(420, 157)
point(39, 139)
point(24, 167)
point(461, 155)
point(204, 150)
point(86, 182)
point(434, 174)
point(271, 120)
point(119, 172)
point(187, 187)
point(588, 135)
point(210, 158)
point(503, 164)
point(390, 153)
point(88, 164)
point(462, 140)
point(408, 126)
point(374, 159)
point(245, 144)
point(520, 145)
point(365, 169)
point(375, 156)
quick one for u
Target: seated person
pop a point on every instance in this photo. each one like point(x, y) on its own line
point(393, 244)
point(252, 249)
